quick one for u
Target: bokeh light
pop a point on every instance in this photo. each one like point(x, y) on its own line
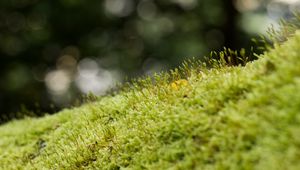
point(58, 82)
point(147, 9)
point(92, 78)
point(119, 8)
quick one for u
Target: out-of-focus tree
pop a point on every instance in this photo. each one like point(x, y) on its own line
point(52, 51)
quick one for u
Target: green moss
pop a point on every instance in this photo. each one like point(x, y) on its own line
point(220, 118)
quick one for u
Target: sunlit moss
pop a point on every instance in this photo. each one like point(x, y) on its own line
point(195, 117)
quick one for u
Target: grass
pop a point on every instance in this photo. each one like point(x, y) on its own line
point(242, 117)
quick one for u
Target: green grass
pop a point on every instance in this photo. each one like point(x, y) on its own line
point(220, 118)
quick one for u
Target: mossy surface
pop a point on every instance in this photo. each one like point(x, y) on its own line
point(220, 118)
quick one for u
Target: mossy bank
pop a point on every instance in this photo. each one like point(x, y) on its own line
point(220, 118)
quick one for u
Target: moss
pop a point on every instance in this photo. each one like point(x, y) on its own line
point(193, 118)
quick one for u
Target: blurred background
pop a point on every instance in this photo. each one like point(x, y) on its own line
point(52, 52)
